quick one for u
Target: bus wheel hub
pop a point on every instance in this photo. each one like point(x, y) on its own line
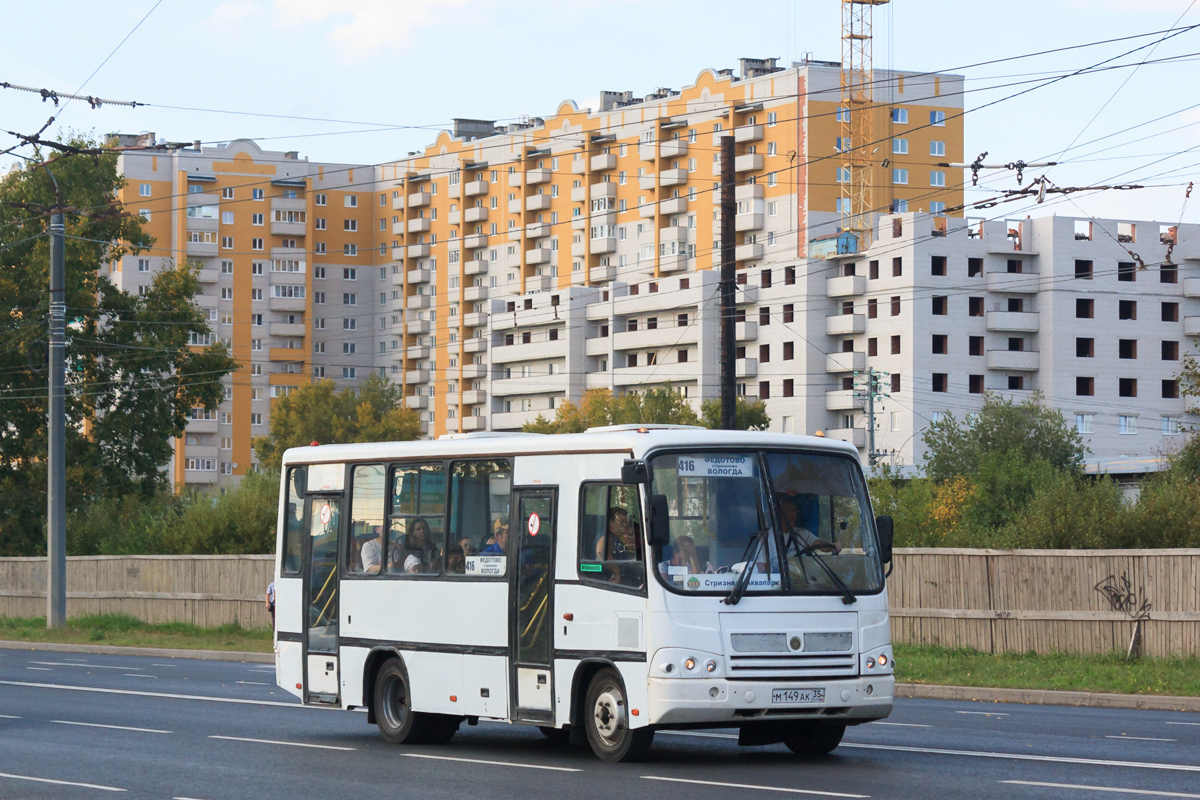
point(609, 714)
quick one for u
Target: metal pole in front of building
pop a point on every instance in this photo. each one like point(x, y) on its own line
point(56, 494)
point(726, 286)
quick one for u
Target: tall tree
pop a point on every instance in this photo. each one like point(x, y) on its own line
point(748, 415)
point(600, 407)
point(133, 371)
point(374, 412)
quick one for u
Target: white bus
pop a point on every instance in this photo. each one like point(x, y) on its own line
point(599, 586)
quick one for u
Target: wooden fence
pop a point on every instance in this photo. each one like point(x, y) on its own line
point(1081, 601)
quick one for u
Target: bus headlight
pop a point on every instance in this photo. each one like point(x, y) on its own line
point(711, 666)
point(689, 663)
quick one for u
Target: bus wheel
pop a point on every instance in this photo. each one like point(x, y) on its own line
point(442, 728)
point(397, 722)
point(813, 739)
point(606, 719)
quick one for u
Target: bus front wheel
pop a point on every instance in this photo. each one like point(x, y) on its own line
point(397, 722)
point(606, 719)
point(813, 739)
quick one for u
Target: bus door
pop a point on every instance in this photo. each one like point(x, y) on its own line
point(321, 588)
point(535, 519)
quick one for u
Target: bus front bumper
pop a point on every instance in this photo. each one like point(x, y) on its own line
point(687, 701)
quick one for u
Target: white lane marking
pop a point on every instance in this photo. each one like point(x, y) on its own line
point(81, 660)
point(491, 763)
point(8, 716)
point(698, 733)
point(170, 666)
point(1101, 788)
point(815, 792)
point(252, 683)
point(983, 713)
point(41, 669)
point(139, 675)
point(113, 727)
point(69, 664)
point(903, 724)
point(1140, 738)
point(1025, 757)
point(166, 695)
point(1184, 723)
point(62, 783)
point(276, 741)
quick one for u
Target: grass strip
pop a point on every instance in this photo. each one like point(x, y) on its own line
point(125, 631)
point(1079, 673)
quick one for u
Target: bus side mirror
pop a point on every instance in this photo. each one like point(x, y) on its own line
point(634, 472)
point(884, 526)
point(660, 521)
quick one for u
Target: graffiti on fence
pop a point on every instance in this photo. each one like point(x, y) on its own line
point(1123, 597)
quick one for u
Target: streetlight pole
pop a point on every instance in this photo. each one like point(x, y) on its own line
point(56, 494)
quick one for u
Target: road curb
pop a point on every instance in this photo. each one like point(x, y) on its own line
point(1049, 697)
point(156, 652)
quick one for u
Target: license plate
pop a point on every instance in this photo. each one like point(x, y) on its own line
point(797, 696)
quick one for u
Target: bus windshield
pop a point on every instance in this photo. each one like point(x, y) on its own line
point(799, 521)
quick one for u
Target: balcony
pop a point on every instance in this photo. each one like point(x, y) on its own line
point(537, 283)
point(473, 293)
point(647, 152)
point(475, 241)
point(513, 420)
point(208, 275)
point(676, 205)
point(538, 255)
point(418, 276)
point(578, 165)
point(747, 133)
point(744, 293)
point(602, 274)
point(475, 214)
point(418, 251)
point(604, 161)
point(510, 353)
point(855, 436)
point(603, 189)
point(672, 177)
point(672, 233)
point(416, 327)
point(845, 324)
point(203, 249)
point(748, 252)
point(1013, 282)
point(472, 371)
point(1191, 287)
point(846, 286)
point(474, 423)
point(475, 188)
point(746, 367)
point(397, 278)
point(416, 401)
point(474, 397)
point(416, 302)
point(842, 400)
point(419, 199)
point(845, 362)
point(748, 191)
point(202, 425)
point(453, 217)
point(514, 206)
point(603, 245)
point(748, 222)
point(1191, 326)
point(398, 228)
point(1013, 360)
point(417, 376)
point(647, 210)
point(398, 203)
point(578, 194)
point(579, 248)
point(477, 267)
point(286, 303)
point(288, 228)
point(476, 344)
point(287, 329)
point(673, 148)
point(1022, 321)
point(750, 162)
point(647, 182)
point(514, 178)
point(745, 331)
point(536, 230)
point(475, 319)
point(672, 263)
point(538, 202)
point(398, 253)
point(535, 176)
point(398, 356)
point(417, 352)
point(418, 225)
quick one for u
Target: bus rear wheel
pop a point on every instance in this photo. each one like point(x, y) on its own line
point(397, 722)
point(606, 720)
point(813, 739)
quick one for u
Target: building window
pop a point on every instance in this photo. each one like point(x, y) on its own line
point(900, 176)
point(1127, 309)
point(900, 147)
point(937, 118)
point(937, 266)
point(895, 345)
point(941, 305)
point(1016, 383)
point(144, 190)
point(895, 383)
point(1083, 269)
point(1127, 348)
point(937, 178)
point(1085, 348)
point(1085, 423)
point(1170, 426)
point(937, 148)
point(974, 306)
point(941, 344)
point(975, 384)
point(1170, 389)
point(1085, 387)
point(1126, 424)
point(940, 381)
point(1127, 387)
point(900, 116)
point(256, 244)
point(1085, 309)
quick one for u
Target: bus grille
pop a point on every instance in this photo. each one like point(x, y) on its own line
point(798, 666)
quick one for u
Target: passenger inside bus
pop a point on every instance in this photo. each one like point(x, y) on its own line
point(499, 542)
point(800, 515)
point(684, 554)
point(419, 542)
point(456, 563)
point(618, 542)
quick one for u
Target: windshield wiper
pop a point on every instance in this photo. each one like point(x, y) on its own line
point(848, 596)
point(743, 580)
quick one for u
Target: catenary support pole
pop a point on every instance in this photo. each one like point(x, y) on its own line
point(726, 286)
point(56, 510)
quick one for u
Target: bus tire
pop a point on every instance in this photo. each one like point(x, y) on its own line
point(606, 720)
point(813, 739)
point(442, 728)
point(397, 722)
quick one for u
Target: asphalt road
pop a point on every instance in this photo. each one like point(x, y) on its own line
point(83, 726)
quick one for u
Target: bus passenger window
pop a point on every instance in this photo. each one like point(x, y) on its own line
point(480, 494)
point(611, 536)
point(293, 530)
point(415, 537)
point(366, 520)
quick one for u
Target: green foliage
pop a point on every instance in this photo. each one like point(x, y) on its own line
point(126, 631)
point(1029, 431)
point(748, 415)
point(131, 375)
point(374, 412)
point(600, 407)
point(241, 521)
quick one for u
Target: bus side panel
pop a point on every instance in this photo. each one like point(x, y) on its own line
point(289, 667)
point(485, 686)
point(289, 605)
point(637, 677)
point(435, 678)
point(397, 610)
point(352, 660)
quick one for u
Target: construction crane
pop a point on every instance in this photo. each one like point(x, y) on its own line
point(855, 118)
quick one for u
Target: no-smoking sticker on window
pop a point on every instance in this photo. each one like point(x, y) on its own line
point(535, 523)
point(326, 514)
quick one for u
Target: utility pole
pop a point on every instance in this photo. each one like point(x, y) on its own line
point(56, 511)
point(726, 286)
point(874, 391)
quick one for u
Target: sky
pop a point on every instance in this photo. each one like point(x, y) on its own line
point(367, 81)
